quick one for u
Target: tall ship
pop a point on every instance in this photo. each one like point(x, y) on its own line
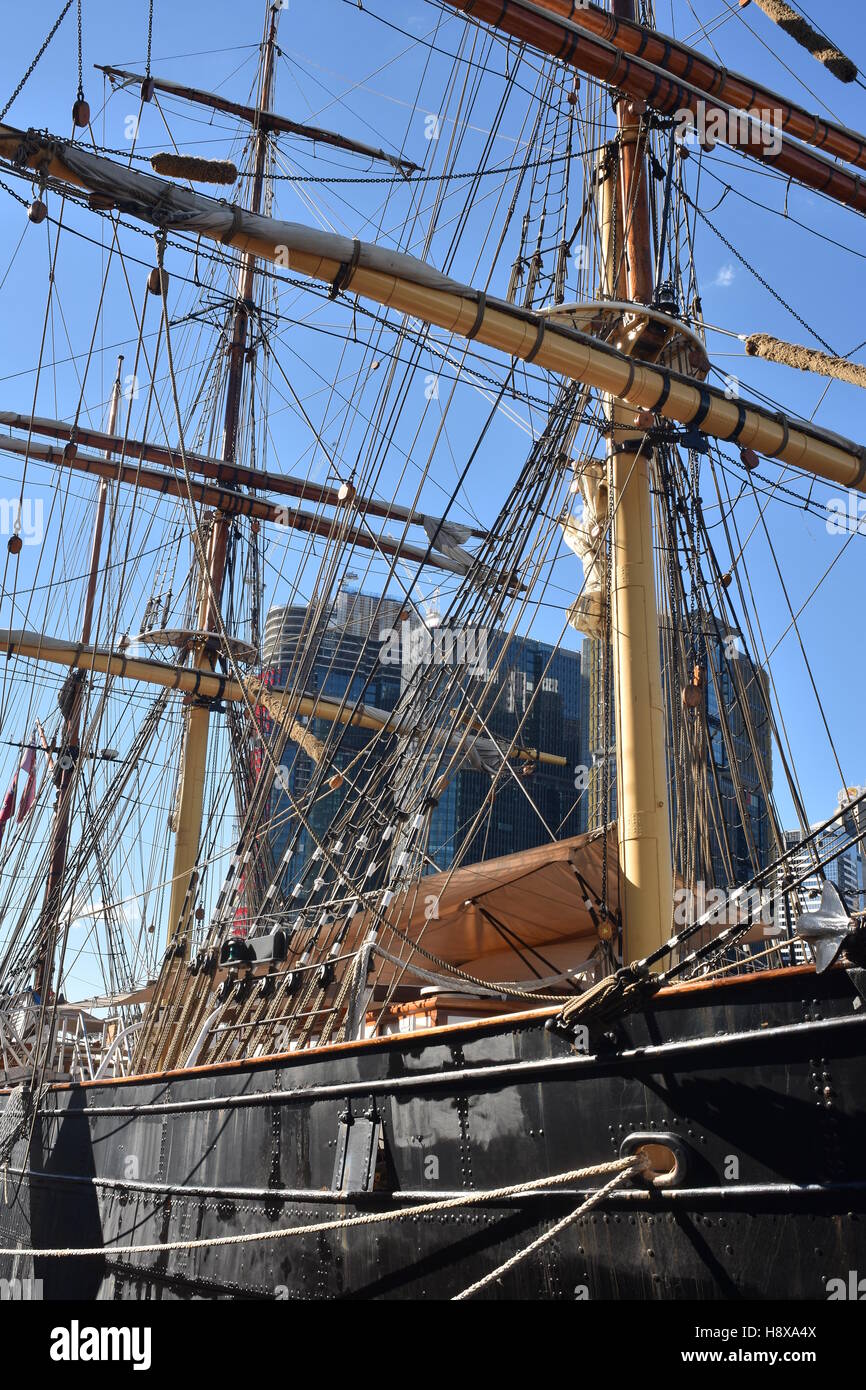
point(409, 886)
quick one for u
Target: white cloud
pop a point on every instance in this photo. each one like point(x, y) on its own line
point(724, 277)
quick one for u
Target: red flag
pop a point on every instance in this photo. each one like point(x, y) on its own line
point(7, 810)
point(28, 765)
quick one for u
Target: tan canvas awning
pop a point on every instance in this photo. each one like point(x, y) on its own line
point(536, 898)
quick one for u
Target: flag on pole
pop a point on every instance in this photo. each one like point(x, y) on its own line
point(28, 765)
point(7, 810)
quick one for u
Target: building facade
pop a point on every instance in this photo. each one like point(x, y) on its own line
point(844, 870)
point(351, 655)
point(337, 657)
point(530, 686)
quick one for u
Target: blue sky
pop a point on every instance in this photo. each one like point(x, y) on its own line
point(349, 70)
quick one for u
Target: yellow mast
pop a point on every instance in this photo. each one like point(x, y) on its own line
point(643, 825)
point(190, 803)
point(282, 705)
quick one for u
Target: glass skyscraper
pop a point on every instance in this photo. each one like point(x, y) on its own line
point(336, 658)
point(344, 656)
point(528, 678)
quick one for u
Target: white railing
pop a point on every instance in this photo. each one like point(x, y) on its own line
point(78, 1047)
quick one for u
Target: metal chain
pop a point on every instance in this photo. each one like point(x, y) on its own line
point(758, 276)
point(80, 61)
point(388, 179)
point(12, 193)
point(149, 38)
point(24, 79)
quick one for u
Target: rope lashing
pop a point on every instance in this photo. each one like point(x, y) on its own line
point(608, 999)
point(620, 1168)
point(306, 739)
point(801, 31)
point(805, 359)
point(190, 166)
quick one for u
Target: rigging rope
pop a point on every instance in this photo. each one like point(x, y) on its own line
point(621, 1168)
point(595, 1200)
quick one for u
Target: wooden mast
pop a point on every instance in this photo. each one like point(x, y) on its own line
point(643, 825)
point(680, 61)
point(66, 763)
point(644, 81)
point(233, 475)
point(190, 803)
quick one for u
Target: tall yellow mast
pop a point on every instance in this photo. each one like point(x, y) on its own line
point(643, 825)
point(190, 802)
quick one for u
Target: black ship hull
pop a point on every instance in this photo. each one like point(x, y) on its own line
point(757, 1084)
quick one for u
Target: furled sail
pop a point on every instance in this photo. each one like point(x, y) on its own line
point(584, 535)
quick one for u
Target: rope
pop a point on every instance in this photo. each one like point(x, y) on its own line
point(497, 989)
point(805, 359)
point(814, 41)
point(609, 998)
point(635, 1165)
point(621, 1168)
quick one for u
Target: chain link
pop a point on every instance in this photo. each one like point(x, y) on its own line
point(149, 38)
point(80, 60)
point(747, 265)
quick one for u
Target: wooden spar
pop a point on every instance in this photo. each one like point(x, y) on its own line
point(228, 502)
point(644, 81)
point(59, 843)
point(408, 286)
point(264, 120)
point(233, 474)
point(207, 684)
point(680, 61)
point(642, 821)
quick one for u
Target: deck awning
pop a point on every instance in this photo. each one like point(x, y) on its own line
point(536, 899)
